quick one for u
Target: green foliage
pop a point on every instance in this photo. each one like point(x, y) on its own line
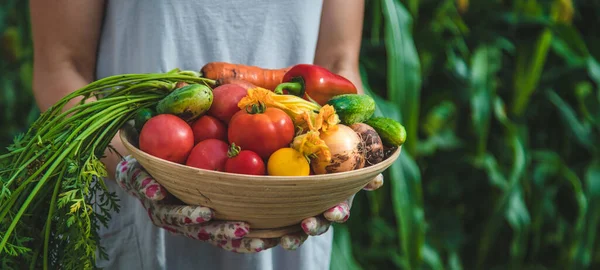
point(58, 161)
point(501, 103)
point(17, 107)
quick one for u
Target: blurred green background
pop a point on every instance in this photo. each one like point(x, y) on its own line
point(501, 102)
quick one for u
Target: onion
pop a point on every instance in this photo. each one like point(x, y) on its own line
point(346, 149)
point(373, 147)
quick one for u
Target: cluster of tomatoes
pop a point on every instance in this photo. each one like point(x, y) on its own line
point(253, 141)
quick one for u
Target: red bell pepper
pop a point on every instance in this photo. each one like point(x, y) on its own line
point(314, 83)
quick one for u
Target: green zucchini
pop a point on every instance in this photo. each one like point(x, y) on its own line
point(188, 102)
point(353, 108)
point(390, 131)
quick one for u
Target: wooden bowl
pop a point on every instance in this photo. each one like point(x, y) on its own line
point(272, 205)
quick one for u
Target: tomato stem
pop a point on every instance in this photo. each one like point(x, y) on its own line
point(233, 151)
point(256, 108)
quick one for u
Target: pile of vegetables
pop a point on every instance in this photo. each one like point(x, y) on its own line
point(306, 125)
point(298, 121)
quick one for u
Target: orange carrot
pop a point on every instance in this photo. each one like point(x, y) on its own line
point(262, 77)
point(230, 80)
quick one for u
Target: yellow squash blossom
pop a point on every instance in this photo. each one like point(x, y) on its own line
point(292, 105)
point(311, 145)
point(325, 120)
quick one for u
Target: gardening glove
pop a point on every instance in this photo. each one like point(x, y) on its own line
point(314, 226)
point(192, 221)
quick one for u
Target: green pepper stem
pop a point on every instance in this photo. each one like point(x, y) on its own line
point(295, 88)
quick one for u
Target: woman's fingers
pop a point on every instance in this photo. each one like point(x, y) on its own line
point(122, 175)
point(314, 226)
point(375, 184)
point(148, 188)
point(212, 231)
point(192, 221)
point(339, 213)
point(293, 241)
point(179, 215)
point(136, 181)
point(145, 185)
point(246, 245)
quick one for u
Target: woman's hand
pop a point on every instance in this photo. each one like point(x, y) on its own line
point(196, 221)
point(314, 226)
point(191, 221)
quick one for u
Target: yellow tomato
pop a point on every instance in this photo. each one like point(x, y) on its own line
point(288, 162)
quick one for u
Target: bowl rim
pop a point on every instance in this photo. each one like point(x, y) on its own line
point(381, 166)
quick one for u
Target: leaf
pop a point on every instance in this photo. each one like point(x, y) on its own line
point(75, 207)
point(508, 206)
point(432, 258)
point(588, 105)
point(518, 217)
point(376, 22)
point(445, 140)
point(587, 240)
point(382, 106)
point(592, 180)
point(70, 221)
point(568, 42)
point(404, 70)
point(531, 58)
point(542, 196)
point(341, 257)
point(551, 164)
point(581, 132)
point(439, 118)
point(454, 261)
point(594, 70)
point(485, 64)
point(488, 163)
point(407, 201)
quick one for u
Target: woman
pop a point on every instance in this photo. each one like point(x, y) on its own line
point(77, 42)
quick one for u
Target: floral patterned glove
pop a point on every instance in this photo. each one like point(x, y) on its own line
point(195, 221)
point(191, 221)
point(314, 226)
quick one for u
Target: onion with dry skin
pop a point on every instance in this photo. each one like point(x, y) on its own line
point(346, 149)
point(373, 146)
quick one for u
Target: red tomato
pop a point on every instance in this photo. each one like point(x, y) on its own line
point(208, 127)
point(210, 154)
point(225, 102)
point(168, 137)
point(262, 132)
point(244, 162)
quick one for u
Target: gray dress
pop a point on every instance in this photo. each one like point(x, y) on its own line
point(158, 35)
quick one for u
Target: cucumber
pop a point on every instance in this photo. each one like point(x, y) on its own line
point(390, 131)
point(141, 117)
point(188, 102)
point(353, 108)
